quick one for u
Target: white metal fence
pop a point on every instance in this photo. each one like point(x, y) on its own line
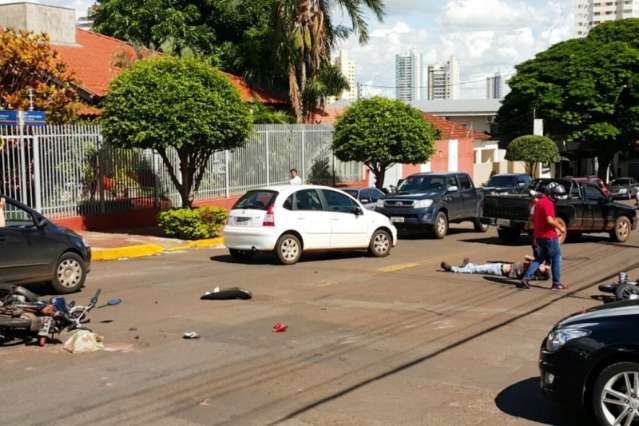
point(69, 170)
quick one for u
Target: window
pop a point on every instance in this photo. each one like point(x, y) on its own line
point(16, 216)
point(464, 183)
point(376, 194)
point(256, 200)
point(336, 202)
point(364, 194)
point(308, 199)
point(290, 201)
point(451, 181)
point(574, 191)
point(593, 193)
point(353, 192)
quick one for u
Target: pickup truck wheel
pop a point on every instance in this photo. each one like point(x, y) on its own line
point(480, 227)
point(508, 235)
point(440, 227)
point(622, 229)
point(563, 235)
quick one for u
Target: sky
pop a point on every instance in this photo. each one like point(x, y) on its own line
point(486, 36)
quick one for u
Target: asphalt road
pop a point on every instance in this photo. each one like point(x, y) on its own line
point(388, 341)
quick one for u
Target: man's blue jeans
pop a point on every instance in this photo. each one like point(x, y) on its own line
point(486, 269)
point(548, 250)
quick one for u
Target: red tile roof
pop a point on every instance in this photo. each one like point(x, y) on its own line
point(93, 61)
point(451, 130)
point(448, 129)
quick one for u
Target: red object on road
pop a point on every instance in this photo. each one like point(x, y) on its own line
point(280, 328)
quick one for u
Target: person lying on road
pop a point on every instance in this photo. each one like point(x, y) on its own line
point(514, 270)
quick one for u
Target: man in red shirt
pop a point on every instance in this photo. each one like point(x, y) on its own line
point(546, 235)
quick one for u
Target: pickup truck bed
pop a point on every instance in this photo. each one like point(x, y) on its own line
point(585, 210)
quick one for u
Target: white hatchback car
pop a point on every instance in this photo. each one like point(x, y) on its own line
point(292, 219)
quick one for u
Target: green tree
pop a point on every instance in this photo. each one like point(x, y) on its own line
point(178, 103)
point(307, 34)
point(381, 132)
point(533, 150)
point(586, 90)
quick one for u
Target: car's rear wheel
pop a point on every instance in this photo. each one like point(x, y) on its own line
point(440, 227)
point(288, 249)
point(562, 235)
point(615, 396)
point(69, 274)
point(622, 229)
point(479, 226)
point(381, 244)
point(241, 255)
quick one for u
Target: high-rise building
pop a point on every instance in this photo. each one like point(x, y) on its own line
point(409, 77)
point(443, 80)
point(495, 87)
point(347, 68)
point(589, 13)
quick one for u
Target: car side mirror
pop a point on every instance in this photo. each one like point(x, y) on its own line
point(358, 211)
point(40, 221)
point(453, 188)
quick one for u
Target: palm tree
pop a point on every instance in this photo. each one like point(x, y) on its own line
point(309, 34)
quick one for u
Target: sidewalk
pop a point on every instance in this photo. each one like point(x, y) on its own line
point(138, 243)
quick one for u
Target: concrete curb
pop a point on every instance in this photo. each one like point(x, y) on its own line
point(144, 250)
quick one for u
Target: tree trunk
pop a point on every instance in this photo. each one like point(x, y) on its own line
point(187, 172)
point(294, 93)
point(379, 171)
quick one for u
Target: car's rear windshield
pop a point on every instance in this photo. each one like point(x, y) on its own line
point(256, 200)
point(427, 183)
point(501, 181)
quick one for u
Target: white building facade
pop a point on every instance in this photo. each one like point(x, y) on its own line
point(590, 13)
point(443, 80)
point(409, 81)
point(346, 65)
point(495, 87)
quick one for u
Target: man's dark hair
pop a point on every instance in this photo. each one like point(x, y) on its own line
point(293, 170)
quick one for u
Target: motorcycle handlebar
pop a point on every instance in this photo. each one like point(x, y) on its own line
point(94, 299)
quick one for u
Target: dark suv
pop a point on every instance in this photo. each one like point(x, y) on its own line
point(33, 249)
point(430, 201)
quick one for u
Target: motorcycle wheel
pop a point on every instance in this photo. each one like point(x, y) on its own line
point(625, 291)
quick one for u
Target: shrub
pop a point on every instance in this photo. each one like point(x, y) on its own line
point(192, 224)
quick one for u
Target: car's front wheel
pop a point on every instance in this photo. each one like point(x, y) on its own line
point(615, 395)
point(381, 244)
point(69, 274)
point(622, 229)
point(288, 249)
point(440, 227)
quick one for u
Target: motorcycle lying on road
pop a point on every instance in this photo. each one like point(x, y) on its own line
point(623, 289)
point(24, 316)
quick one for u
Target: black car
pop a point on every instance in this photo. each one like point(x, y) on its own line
point(430, 201)
point(33, 249)
point(367, 196)
point(591, 360)
point(508, 184)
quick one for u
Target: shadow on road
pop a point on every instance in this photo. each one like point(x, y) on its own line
point(525, 400)
point(269, 259)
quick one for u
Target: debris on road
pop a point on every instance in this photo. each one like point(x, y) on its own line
point(280, 328)
point(227, 294)
point(190, 335)
point(84, 341)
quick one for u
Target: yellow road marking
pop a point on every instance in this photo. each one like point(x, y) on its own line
point(395, 268)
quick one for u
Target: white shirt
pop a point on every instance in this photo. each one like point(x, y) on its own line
point(295, 181)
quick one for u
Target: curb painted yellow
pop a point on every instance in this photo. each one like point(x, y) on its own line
point(143, 250)
point(128, 252)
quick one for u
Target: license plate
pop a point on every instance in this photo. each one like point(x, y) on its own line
point(46, 326)
point(397, 219)
point(242, 221)
point(503, 222)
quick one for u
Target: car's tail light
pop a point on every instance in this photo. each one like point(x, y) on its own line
point(269, 218)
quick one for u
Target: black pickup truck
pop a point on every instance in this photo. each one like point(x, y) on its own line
point(584, 210)
point(430, 201)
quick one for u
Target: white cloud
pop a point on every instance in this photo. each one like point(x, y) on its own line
point(488, 14)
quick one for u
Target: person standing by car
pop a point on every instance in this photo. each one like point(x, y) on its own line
point(546, 235)
point(295, 179)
